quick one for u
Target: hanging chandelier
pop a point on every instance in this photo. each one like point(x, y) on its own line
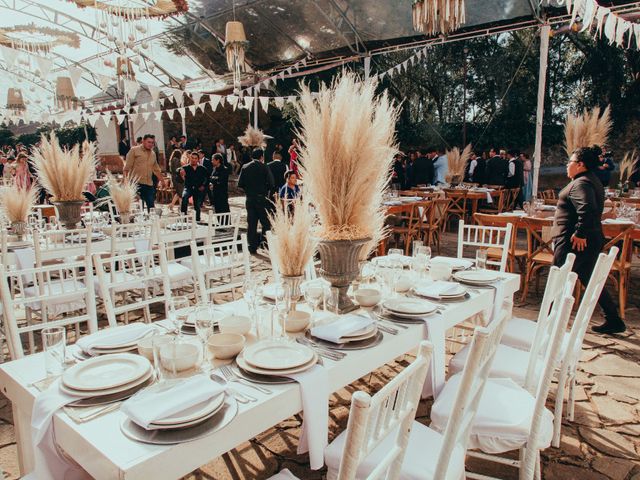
point(66, 98)
point(35, 39)
point(235, 43)
point(438, 16)
point(15, 101)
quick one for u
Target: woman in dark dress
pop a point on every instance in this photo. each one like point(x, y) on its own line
point(577, 228)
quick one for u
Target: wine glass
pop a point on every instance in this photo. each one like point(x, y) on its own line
point(415, 245)
point(481, 259)
point(313, 292)
point(178, 312)
point(203, 320)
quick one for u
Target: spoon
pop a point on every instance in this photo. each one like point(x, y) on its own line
point(241, 397)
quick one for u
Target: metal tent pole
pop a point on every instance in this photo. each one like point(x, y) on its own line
point(542, 81)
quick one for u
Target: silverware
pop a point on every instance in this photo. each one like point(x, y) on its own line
point(389, 330)
point(380, 319)
point(230, 376)
point(241, 397)
point(321, 350)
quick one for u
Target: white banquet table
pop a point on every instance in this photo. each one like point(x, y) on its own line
point(105, 453)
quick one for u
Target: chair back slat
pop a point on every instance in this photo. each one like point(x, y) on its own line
point(124, 237)
point(372, 419)
point(222, 227)
point(62, 244)
point(483, 237)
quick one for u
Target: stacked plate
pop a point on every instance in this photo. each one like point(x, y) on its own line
point(408, 308)
point(404, 259)
point(112, 342)
point(456, 292)
point(108, 379)
point(362, 334)
point(476, 277)
point(276, 358)
point(454, 263)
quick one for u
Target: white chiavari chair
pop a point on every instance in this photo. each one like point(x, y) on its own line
point(180, 275)
point(61, 245)
point(60, 294)
point(145, 272)
point(511, 417)
point(483, 237)
point(222, 227)
point(131, 237)
point(172, 228)
point(220, 267)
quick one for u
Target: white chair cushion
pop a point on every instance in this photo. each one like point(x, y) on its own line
point(420, 460)
point(284, 475)
point(509, 362)
point(179, 275)
point(127, 280)
point(519, 333)
point(503, 419)
point(217, 261)
point(64, 297)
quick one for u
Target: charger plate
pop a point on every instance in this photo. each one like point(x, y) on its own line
point(359, 345)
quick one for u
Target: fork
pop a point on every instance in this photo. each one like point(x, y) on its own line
point(321, 350)
point(379, 319)
point(230, 376)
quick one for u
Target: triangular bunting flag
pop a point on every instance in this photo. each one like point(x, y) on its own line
point(192, 109)
point(154, 92)
point(248, 103)
point(281, 75)
point(103, 80)
point(170, 113)
point(196, 96)
point(610, 28)
point(181, 112)
point(636, 31)
point(145, 116)
point(264, 103)
point(279, 101)
point(214, 102)
point(232, 100)
point(223, 100)
point(75, 73)
point(131, 87)
point(178, 96)
point(44, 64)
point(120, 118)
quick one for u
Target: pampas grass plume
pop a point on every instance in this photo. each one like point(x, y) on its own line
point(16, 203)
point(122, 194)
point(253, 137)
point(587, 130)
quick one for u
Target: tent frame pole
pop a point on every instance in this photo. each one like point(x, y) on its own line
point(545, 30)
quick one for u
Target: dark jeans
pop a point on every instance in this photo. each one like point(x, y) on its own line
point(147, 195)
point(583, 266)
point(197, 195)
point(256, 212)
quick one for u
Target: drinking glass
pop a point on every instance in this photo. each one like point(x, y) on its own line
point(54, 344)
point(414, 246)
point(252, 292)
point(394, 252)
point(424, 251)
point(526, 207)
point(178, 312)
point(204, 328)
point(266, 326)
point(333, 300)
point(481, 259)
point(313, 292)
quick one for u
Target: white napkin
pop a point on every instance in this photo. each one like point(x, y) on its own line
point(392, 202)
point(498, 300)
point(314, 388)
point(25, 258)
point(617, 220)
point(148, 407)
point(489, 197)
point(49, 464)
point(344, 325)
point(453, 262)
point(434, 332)
point(114, 336)
point(438, 288)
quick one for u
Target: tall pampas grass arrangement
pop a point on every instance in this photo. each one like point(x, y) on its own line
point(347, 137)
point(253, 137)
point(122, 194)
point(626, 165)
point(63, 172)
point(292, 224)
point(16, 203)
point(587, 130)
point(457, 161)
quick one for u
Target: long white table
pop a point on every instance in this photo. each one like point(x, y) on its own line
point(102, 450)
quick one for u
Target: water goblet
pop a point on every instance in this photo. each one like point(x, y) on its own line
point(178, 312)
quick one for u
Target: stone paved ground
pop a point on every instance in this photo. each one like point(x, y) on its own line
point(602, 443)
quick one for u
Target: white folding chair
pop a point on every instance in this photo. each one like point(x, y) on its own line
point(510, 417)
point(222, 227)
point(61, 245)
point(309, 271)
point(131, 237)
point(220, 267)
point(58, 290)
point(142, 271)
point(180, 273)
point(173, 227)
point(485, 237)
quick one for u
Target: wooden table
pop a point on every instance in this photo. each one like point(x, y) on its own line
point(105, 453)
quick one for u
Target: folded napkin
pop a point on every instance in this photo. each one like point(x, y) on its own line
point(121, 335)
point(149, 406)
point(25, 258)
point(49, 463)
point(617, 220)
point(489, 197)
point(453, 262)
point(314, 389)
point(345, 325)
point(435, 333)
point(392, 202)
point(436, 289)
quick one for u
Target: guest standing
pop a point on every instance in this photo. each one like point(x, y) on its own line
point(527, 170)
point(398, 172)
point(142, 164)
point(278, 170)
point(293, 156)
point(422, 170)
point(219, 184)
point(440, 168)
point(257, 182)
point(577, 228)
point(175, 166)
point(515, 175)
point(232, 159)
point(23, 177)
point(496, 170)
point(290, 190)
point(195, 180)
point(605, 169)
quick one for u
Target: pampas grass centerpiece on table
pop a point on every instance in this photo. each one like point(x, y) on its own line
point(587, 130)
point(253, 137)
point(122, 194)
point(16, 203)
point(457, 162)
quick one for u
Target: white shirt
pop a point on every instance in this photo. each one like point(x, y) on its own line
point(472, 166)
point(512, 167)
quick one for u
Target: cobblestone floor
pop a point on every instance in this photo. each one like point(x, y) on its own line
point(602, 443)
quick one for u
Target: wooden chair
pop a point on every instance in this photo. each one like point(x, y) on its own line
point(498, 205)
point(620, 235)
point(407, 224)
point(414, 227)
point(458, 204)
point(483, 237)
point(513, 198)
point(516, 255)
point(434, 227)
point(539, 248)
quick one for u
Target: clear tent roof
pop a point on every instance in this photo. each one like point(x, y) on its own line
point(190, 46)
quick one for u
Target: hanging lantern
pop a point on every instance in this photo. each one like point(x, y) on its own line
point(125, 68)
point(15, 101)
point(438, 16)
point(235, 45)
point(65, 95)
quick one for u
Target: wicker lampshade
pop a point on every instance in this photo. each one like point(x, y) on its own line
point(125, 68)
point(15, 100)
point(234, 33)
point(65, 95)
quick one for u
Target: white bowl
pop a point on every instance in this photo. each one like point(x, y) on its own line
point(404, 283)
point(225, 346)
point(297, 321)
point(179, 356)
point(368, 297)
point(145, 345)
point(238, 324)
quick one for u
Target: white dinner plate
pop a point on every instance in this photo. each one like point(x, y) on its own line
point(274, 355)
point(458, 292)
point(272, 291)
point(362, 331)
point(372, 333)
point(107, 391)
point(242, 363)
point(411, 306)
point(109, 371)
point(476, 277)
point(454, 263)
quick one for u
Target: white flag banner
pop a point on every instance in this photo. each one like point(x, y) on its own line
point(196, 96)
point(577, 8)
point(264, 103)
point(192, 109)
point(103, 80)
point(154, 91)
point(44, 65)
point(588, 15)
point(610, 28)
point(120, 118)
point(181, 112)
point(92, 119)
point(75, 73)
point(145, 116)
point(9, 54)
point(281, 75)
point(248, 103)
point(279, 101)
point(636, 32)
point(214, 102)
point(232, 100)
point(131, 88)
point(178, 96)
point(622, 28)
point(170, 113)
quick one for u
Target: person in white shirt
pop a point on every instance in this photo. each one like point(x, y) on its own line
point(440, 168)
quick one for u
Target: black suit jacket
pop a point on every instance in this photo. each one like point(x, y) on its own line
point(256, 179)
point(277, 169)
point(579, 209)
point(496, 171)
point(220, 181)
point(422, 171)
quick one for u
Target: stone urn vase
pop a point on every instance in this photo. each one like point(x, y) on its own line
point(69, 212)
point(339, 266)
point(294, 283)
point(19, 229)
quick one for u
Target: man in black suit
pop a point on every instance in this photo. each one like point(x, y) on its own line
point(515, 175)
point(496, 169)
point(278, 169)
point(219, 184)
point(257, 182)
point(422, 170)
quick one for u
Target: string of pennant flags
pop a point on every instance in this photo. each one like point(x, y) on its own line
point(246, 99)
point(605, 22)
